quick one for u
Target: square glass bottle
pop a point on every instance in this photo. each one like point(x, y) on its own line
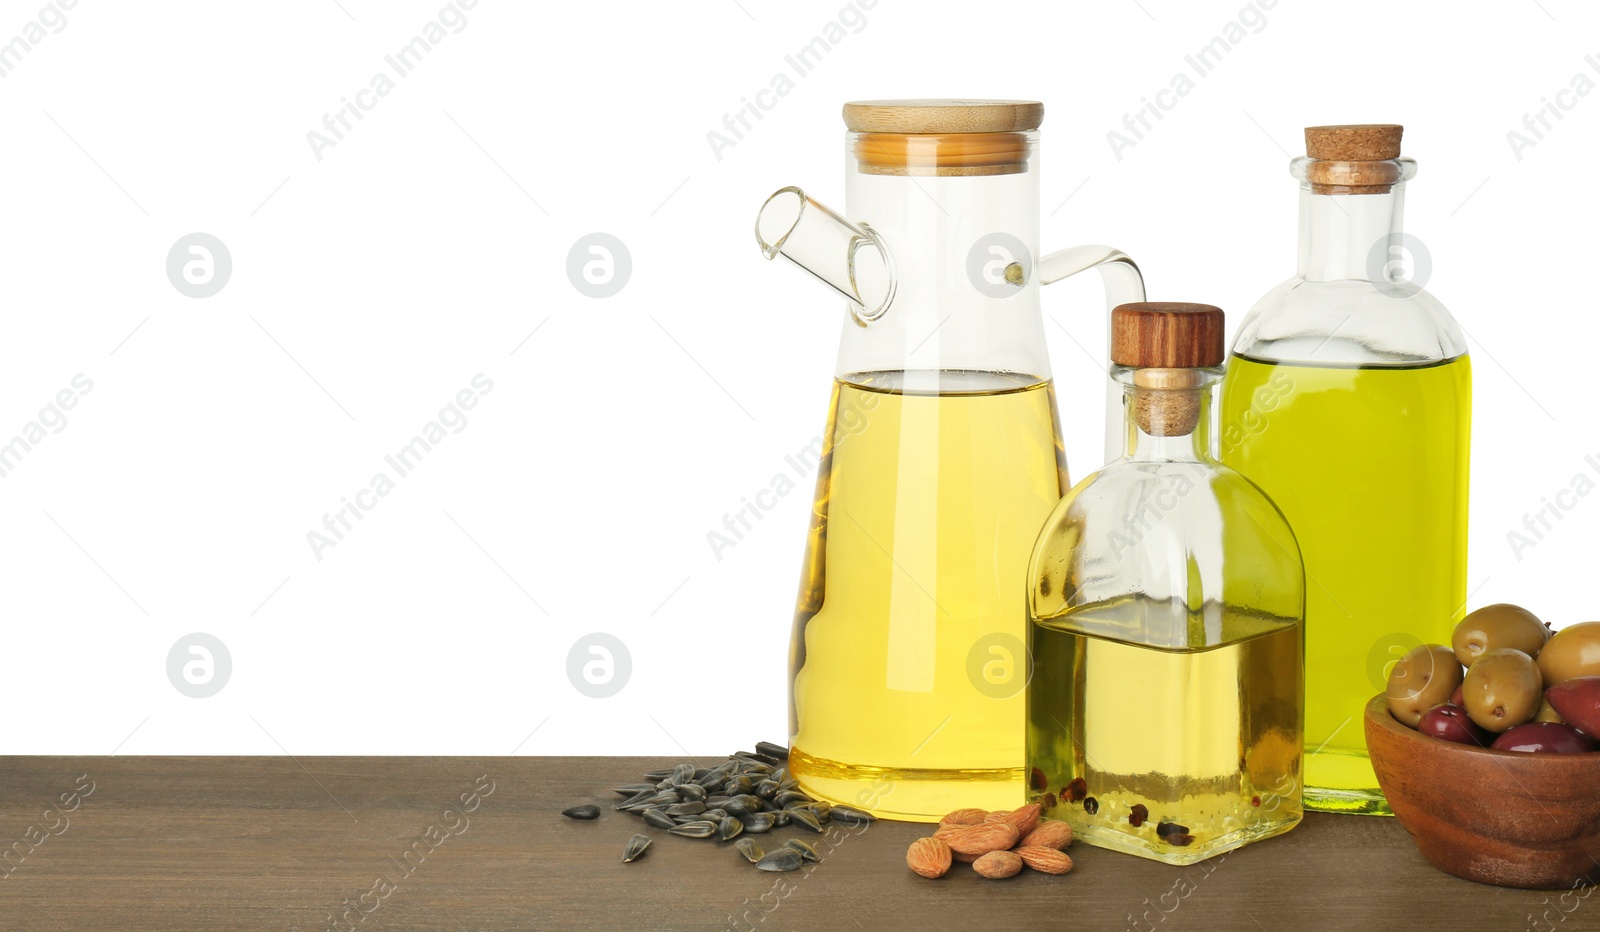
point(1166, 598)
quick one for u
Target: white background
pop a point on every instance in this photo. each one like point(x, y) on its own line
point(369, 286)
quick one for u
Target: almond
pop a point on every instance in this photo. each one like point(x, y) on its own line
point(999, 815)
point(929, 857)
point(1023, 819)
point(1044, 860)
point(998, 865)
point(1049, 834)
point(979, 839)
point(964, 817)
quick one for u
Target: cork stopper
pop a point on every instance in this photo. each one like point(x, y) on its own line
point(1353, 159)
point(1166, 342)
point(1356, 142)
point(942, 137)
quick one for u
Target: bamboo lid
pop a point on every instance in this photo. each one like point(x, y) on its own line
point(1353, 159)
point(1167, 335)
point(942, 137)
point(940, 117)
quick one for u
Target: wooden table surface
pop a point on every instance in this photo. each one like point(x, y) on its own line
point(128, 843)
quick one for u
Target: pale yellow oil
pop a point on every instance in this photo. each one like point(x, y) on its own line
point(908, 659)
point(1369, 465)
point(1207, 740)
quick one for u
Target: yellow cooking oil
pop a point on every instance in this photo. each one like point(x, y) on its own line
point(1175, 754)
point(908, 658)
point(1369, 465)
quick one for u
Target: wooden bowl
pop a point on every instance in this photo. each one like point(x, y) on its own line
point(1497, 817)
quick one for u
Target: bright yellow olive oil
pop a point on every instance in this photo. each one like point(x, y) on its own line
point(908, 659)
point(1369, 465)
point(1204, 741)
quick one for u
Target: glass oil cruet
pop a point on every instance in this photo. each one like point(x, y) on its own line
point(1165, 605)
point(941, 456)
point(1348, 398)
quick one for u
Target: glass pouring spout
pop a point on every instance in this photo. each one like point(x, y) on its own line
point(852, 259)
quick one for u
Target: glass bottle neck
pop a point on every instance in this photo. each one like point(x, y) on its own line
point(1345, 237)
point(1168, 425)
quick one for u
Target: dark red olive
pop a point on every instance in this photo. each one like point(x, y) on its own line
point(1544, 738)
point(1578, 701)
point(1452, 723)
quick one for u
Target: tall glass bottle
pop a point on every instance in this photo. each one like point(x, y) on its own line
point(1348, 398)
point(1165, 598)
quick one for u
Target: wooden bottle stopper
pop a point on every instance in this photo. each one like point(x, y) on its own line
point(1166, 342)
point(1354, 158)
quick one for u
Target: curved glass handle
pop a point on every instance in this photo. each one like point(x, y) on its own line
point(1124, 285)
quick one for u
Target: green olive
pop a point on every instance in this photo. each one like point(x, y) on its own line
point(1500, 625)
point(1547, 713)
point(1574, 651)
point(1422, 679)
point(1502, 689)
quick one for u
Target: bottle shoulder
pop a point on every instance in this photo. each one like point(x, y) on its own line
point(1349, 323)
point(1126, 483)
point(1168, 533)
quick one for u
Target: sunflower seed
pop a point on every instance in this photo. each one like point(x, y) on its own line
point(783, 859)
point(682, 774)
point(714, 815)
point(788, 798)
point(698, 829)
point(776, 753)
point(806, 819)
point(656, 775)
point(692, 792)
point(821, 808)
point(636, 846)
point(849, 815)
point(743, 803)
point(781, 817)
point(737, 786)
point(585, 812)
point(634, 789)
point(667, 797)
point(767, 789)
point(686, 819)
point(690, 808)
point(756, 822)
point(656, 818)
point(729, 828)
point(715, 801)
point(752, 852)
point(806, 851)
point(635, 800)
